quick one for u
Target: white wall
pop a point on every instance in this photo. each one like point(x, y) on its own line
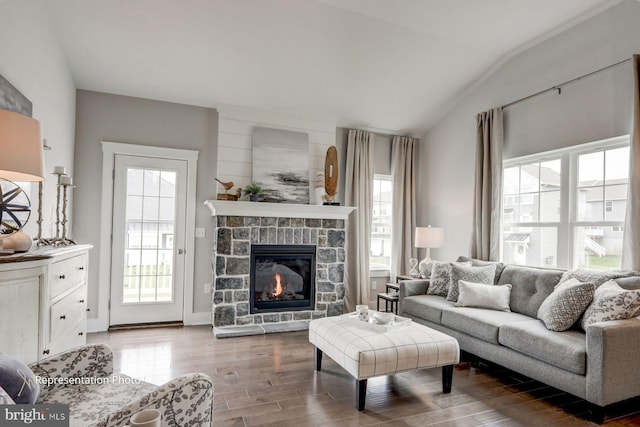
point(234, 141)
point(32, 60)
point(592, 109)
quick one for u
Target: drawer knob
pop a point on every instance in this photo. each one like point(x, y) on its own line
point(64, 316)
point(81, 268)
point(81, 301)
point(45, 352)
point(62, 277)
point(88, 309)
point(80, 333)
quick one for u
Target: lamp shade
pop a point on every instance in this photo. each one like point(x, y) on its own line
point(21, 154)
point(429, 237)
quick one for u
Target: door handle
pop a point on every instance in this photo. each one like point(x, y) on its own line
point(180, 251)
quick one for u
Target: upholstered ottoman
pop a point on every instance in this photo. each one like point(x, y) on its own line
point(365, 353)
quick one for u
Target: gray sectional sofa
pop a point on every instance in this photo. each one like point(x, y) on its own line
point(600, 366)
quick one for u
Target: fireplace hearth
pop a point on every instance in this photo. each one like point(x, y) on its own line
point(282, 278)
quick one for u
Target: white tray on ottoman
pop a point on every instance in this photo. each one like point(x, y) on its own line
point(365, 353)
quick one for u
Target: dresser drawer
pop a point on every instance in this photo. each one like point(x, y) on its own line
point(77, 336)
point(67, 313)
point(67, 273)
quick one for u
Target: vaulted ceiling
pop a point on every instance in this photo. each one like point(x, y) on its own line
point(386, 64)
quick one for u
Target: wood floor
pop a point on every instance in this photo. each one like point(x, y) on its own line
point(269, 380)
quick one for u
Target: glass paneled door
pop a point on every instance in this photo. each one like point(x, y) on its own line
point(148, 240)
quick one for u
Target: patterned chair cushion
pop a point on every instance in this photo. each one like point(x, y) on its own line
point(562, 309)
point(89, 404)
point(484, 275)
point(5, 399)
point(611, 302)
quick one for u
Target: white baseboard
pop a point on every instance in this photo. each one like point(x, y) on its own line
point(192, 319)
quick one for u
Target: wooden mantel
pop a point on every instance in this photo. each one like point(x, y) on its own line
point(289, 210)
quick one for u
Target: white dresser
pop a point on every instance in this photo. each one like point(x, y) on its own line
point(43, 301)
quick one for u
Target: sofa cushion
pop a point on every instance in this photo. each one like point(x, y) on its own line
point(566, 304)
point(483, 275)
point(630, 283)
point(531, 286)
point(483, 296)
point(481, 263)
point(428, 307)
point(611, 302)
point(441, 278)
point(566, 350)
point(478, 322)
point(597, 277)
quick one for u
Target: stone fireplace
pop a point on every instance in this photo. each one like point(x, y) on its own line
point(244, 229)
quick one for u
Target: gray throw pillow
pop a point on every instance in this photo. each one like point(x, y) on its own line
point(562, 309)
point(18, 380)
point(611, 302)
point(441, 277)
point(484, 275)
point(481, 263)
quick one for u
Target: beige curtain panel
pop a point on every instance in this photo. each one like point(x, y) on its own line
point(358, 193)
point(487, 201)
point(403, 171)
point(631, 236)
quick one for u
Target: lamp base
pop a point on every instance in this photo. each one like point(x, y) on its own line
point(425, 265)
point(18, 241)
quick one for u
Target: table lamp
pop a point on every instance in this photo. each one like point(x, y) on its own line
point(21, 159)
point(428, 237)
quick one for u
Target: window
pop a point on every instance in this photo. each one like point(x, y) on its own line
point(566, 208)
point(608, 206)
point(380, 255)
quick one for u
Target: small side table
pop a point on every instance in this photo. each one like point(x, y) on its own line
point(389, 298)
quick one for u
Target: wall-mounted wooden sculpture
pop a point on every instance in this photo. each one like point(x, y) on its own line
point(331, 175)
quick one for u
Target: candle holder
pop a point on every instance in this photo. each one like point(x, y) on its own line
point(40, 241)
point(64, 240)
point(59, 171)
point(65, 183)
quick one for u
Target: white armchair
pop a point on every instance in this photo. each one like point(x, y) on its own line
point(83, 378)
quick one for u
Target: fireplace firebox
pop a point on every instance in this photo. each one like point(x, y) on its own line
point(282, 278)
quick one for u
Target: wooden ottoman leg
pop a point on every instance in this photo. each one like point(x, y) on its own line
point(361, 394)
point(447, 378)
point(318, 359)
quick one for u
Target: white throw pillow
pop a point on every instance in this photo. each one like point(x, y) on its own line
point(611, 302)
point(481, 295)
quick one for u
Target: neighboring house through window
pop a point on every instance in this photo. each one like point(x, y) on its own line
point(380, 256)
point(566, 208)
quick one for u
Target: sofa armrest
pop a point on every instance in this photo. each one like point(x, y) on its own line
point(88, 361)
point(612, 349)
point(411, 287)
point(183, 401)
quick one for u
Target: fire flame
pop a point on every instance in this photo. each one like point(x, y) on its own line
point(278, 289)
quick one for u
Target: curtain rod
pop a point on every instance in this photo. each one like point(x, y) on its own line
point(558, 88)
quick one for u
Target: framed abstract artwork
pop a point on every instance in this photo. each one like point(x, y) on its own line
point(11, 99)
point(281, 165)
